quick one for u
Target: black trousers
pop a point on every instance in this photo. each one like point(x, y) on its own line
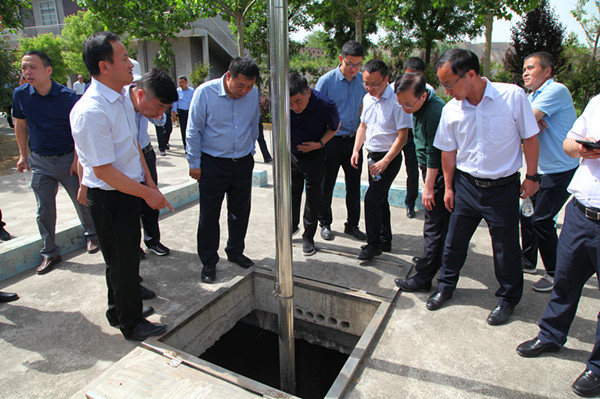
point(578, 260)
point(538, 232)
point(435, 229)
point(307, 169)
point(338, 152)
point(220, 177)
point(499, 207)
point(182, 115)
point(377, 207)
point(264, 150)
point(149, 215)
point(412, 174)
point(117, 219)
point(163, 133)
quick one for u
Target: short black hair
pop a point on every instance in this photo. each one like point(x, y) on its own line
point(377, 66)
point(546, 60)
point(245, 66)
point(158, 83)
point(353, 49)
point(298, 84)
point(46, 61)
point(182, 77)
point(415, 64)
point(461, 61)
point(96, 48)
point(410, 81)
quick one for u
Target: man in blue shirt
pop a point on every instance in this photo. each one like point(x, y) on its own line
point(223, 128)
point(314, 121)
point(181, 107)
point(344, 86)
point(41, 111)
point(553, 108)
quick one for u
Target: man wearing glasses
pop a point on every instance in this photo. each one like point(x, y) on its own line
point(383, 129)
point(222, 132)
point(480, 135)
point(344, 86)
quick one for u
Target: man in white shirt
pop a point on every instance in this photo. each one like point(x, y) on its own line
point(105, 134)
point(79, 86)
point(480, 135)
point(383, 129)
point(578, 252)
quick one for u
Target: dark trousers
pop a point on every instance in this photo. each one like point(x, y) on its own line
point(412, 174)
point(149, 215)
point(578, 256)
point(377, 207)
point(435, 229)
point(539, 230)
point(499, 207)
point(2, 224)
point(163, 133)
point(117, 219)
point(220, 177)
point(338, 152)
point(264, 150)
point(307, 169)
point(182, 115)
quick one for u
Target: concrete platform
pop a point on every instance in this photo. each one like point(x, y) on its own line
point(55, 340)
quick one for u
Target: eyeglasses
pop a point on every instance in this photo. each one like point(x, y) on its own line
point(449, 87)
point(351, 65)
point(373, 85)
point(410, 106)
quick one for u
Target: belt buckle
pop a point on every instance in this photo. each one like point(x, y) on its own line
point(591, 214)
point(482, 184)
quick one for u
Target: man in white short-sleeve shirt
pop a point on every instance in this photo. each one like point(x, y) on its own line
point(480, 135)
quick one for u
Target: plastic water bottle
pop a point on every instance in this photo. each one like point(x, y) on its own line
point(374, 177)
point(526, 207)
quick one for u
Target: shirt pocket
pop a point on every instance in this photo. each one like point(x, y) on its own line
point(501, 130)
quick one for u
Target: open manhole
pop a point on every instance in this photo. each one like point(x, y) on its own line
point(234, 336)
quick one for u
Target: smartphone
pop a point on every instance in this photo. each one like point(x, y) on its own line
point(590, 145)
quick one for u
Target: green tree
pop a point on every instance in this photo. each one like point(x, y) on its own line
point(51, 45)
point(159, 21)
point(540, 30)
point(8, 72)
point(581, 72)
point(10, 13)
point(79, 27)
point(590, 22)
point(199, 73)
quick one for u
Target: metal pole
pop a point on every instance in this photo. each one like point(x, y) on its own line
point(280, 112)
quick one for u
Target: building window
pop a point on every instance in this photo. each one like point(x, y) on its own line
point(48, 13)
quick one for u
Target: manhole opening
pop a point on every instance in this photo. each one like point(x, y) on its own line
point(252, 350)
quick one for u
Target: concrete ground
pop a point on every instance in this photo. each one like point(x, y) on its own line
point(55, 340)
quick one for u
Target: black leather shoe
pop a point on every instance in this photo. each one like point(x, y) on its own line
point(435, 301)
point(146, 293)
point(368, 252)
point(114, 321)
point(587, 384)
point(209, 273)
point(145, 329)
point(326, 233)
point(4, 235)
point(48, 264)
point(8, 297)
point(416, 259)
point(410, 212)
point(499, 315)
point(410, 285)
point(241, 260)
point(141, 254)
point(355, 232)
point(535, 347)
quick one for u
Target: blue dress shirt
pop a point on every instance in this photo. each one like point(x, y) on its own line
point(185, 99)
point(219, 125)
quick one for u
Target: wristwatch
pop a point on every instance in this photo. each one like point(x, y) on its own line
point(535, 178)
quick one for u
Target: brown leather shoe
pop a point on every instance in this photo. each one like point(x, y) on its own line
point(48, 263)
point(93, 246)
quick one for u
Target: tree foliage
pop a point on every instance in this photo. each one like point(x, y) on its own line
point(540, 30)
point(10, 13)
point(51, 45)
point(581, 72)
point(590, 22)
point(159, 21)
point(8, 71)
point(79, 27)
point(199, 74)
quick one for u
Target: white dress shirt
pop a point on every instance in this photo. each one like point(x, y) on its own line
point(488, 136)
point(105, 132)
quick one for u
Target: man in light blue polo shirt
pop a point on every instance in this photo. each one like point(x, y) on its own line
point(181, 107)
point(223, 128)
point(553, 108)
point(344, 86)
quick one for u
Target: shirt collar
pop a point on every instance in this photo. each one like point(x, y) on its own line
point(222, 91)
point(541, 89)
point(54, 89)
point(387, 93)
point(107, 92)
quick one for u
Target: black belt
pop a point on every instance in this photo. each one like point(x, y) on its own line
point(348, 136)
point(590, 213)
point(56, 155)
point(147, 149)
point(227, 159)
point(487, 183)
